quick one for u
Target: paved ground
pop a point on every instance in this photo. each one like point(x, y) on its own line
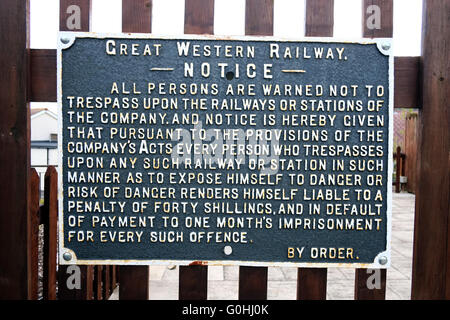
point(223, 281)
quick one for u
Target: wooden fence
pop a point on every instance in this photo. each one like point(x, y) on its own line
point(96, 282)
point(411, 148)
point(400, 165)
point(34, 77)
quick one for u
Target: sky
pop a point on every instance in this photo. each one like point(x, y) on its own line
point(229, 19)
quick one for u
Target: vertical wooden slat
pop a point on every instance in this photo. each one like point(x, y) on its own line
point(106, 282)
point(319, 18)
point(198, 19)
point(386, 10)
point(259, 17)
point(385, 31)
point(193, 283)
point(113, 277)
point(259, 22)
point(136, 16)
point(431, 257)
point(406, 82)
point(67, 13)
point(42, 75)
point(98, 277)
point(15, 148)
point(40, 69)
point(134, 280)
point(50, 215)
point(133, 283)
point(85, 292)
point(312, 282)
point(253, 283)
point(362, 292)
point(33, 236)
point(398, 162)
point(87, 273)
point(411, 132)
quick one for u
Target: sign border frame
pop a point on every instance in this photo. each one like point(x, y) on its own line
point(65, 39)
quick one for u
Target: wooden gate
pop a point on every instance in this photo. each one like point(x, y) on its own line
point(30, 75)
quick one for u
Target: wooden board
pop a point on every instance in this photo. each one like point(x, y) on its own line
point(67, 14)
point(411, 144)
point(319, 18)
point(406, 82)
point(312, 283)
point(134, 280)
point(33, 235)
point(385, 29)
point(431, 258)
point(259, 17)
point(136, 16)
point(258, 21)
point(15, 146)
point(193, 283)
point(198, 19)
point(85, 292)
point(42, 75)
point(253, 283)
point(363, 292)
point(50, 214)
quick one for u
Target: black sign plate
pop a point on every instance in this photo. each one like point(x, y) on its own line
point(251, 151)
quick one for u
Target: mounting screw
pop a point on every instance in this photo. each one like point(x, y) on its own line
point(65, 40)
point(383, 260)
point(227, 250)
point(386, 46)
point(67, 256)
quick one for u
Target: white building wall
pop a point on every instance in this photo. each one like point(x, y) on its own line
point(42, 127)
point(53, 157)
point(38, 157)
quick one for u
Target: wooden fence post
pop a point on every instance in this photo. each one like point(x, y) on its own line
point(106, 280)
point(398, 168)
point(386, 14)
point(258, 22)
point(98, 276)
point(33, 235)
point(15, 149)
point(86, 280)
point(50, 218)
point(431, 258)
point(411, 148)
point(68, 15)
point(362, 292)
point(134, 280)
point(41, 69)
point(198, 19)
point(312, 282)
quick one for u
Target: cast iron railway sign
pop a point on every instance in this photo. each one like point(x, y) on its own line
point(245, 151)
